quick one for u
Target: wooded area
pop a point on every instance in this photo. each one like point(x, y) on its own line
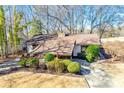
point(28, 21)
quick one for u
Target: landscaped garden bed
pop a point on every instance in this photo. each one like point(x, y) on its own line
point(51, 64)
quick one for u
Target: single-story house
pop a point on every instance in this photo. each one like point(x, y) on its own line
point(61, 44)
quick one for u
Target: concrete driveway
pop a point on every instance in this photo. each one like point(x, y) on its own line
point(106, 75)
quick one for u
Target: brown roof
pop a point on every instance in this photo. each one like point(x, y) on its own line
point(40, 37)
point(64, 45)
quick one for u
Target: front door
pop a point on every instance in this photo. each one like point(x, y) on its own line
point(77, 49)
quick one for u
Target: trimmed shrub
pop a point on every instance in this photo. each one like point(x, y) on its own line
point(67, 62)
point(51, 66)
point(90, 57)
point(49, 57)
point(92, 52)
point(33, 62)
point(55, 66)
point(59, 66)
point(22, 62)
point(74, 67)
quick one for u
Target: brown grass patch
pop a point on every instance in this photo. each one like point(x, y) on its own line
point(116, 47)
point(23, 79)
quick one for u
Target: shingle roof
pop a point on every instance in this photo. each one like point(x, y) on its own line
point(64, 45)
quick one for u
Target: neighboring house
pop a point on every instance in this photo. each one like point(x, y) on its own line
point(61, 44)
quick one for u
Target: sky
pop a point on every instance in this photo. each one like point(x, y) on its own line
point(88, 9)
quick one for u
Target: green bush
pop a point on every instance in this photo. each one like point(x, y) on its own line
point(59, 66)
point(74, 67)
point(49, 57)
point(89, 57)
point(51, 66)
point(22, 62)
point(56, 65)
point(29, 62)
point(92, 52)
point(33, 62)
point(67, 62)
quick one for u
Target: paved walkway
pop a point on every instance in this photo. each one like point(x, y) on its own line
point(98, 78)
point(106, 75)
point(7, 66)
point(103, 75)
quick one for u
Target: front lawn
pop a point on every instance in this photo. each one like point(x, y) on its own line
point(24, 79)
